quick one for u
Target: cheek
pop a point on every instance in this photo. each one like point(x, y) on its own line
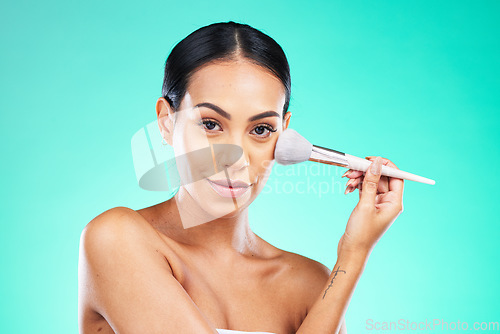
point(188, 137)
point(193, 155)
point(262, 175)
point(263, 162)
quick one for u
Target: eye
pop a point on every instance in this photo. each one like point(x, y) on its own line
point(263, 130)
point(210, 124)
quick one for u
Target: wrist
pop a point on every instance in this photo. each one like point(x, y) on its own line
point(350, 245)
point(357, 254)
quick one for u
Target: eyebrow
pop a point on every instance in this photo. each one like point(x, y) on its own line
point(263, 115)
point(225, 114)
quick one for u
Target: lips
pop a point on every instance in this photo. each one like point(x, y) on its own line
point(229, 188)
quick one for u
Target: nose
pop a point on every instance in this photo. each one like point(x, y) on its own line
point(230, 156)
point(239, 164)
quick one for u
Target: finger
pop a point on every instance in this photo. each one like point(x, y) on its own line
point(354, 182)
point(346, 173)
point(348, 190)
point(385, 161)
point(394, 184)
point(355, 174)
point(352, 173)
point(370, 183)
point(383, 184)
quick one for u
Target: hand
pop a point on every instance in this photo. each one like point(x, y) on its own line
point(380, 203)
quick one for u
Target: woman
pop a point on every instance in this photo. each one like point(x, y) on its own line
point(192, 264)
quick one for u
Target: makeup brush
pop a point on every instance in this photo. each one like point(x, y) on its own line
point(292, 148)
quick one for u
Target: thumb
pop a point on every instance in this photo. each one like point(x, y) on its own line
point(370, 183)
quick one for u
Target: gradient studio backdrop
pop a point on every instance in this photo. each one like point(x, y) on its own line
point(414, 81)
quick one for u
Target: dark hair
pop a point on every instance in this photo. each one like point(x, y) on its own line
point(222, 41)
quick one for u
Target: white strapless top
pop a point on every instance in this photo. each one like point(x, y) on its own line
point(230, 331)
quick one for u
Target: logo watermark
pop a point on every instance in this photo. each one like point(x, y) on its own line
point(306, 178)
point(430, 325)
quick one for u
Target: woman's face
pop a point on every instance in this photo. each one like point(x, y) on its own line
point(236, 103)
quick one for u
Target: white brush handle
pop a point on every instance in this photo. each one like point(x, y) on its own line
point(360, 164)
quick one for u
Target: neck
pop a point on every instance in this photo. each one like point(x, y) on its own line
point(189, 224)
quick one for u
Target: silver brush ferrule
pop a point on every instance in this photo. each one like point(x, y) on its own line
point(328, 156)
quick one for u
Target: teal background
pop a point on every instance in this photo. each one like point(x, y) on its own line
point(414, 81)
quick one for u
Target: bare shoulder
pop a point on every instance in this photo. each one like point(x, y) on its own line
point(117, 226)
point(117, 236)
point(126, 283)
point(113, 220)
point(308, 272)
point(114, 232)
point(307, 277)
point(310, 278)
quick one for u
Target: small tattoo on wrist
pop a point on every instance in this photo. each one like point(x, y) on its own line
point(331, 282)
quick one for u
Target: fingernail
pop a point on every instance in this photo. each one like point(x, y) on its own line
point(349, 182)
point(376, 166)
point(346, 191)
point(346, 173)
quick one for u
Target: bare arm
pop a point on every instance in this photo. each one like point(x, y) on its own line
point(379, 205)
point(328, 311)
point(129, 282)
point(343, 328)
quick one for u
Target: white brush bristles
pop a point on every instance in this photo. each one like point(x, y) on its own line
point(291, 148)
